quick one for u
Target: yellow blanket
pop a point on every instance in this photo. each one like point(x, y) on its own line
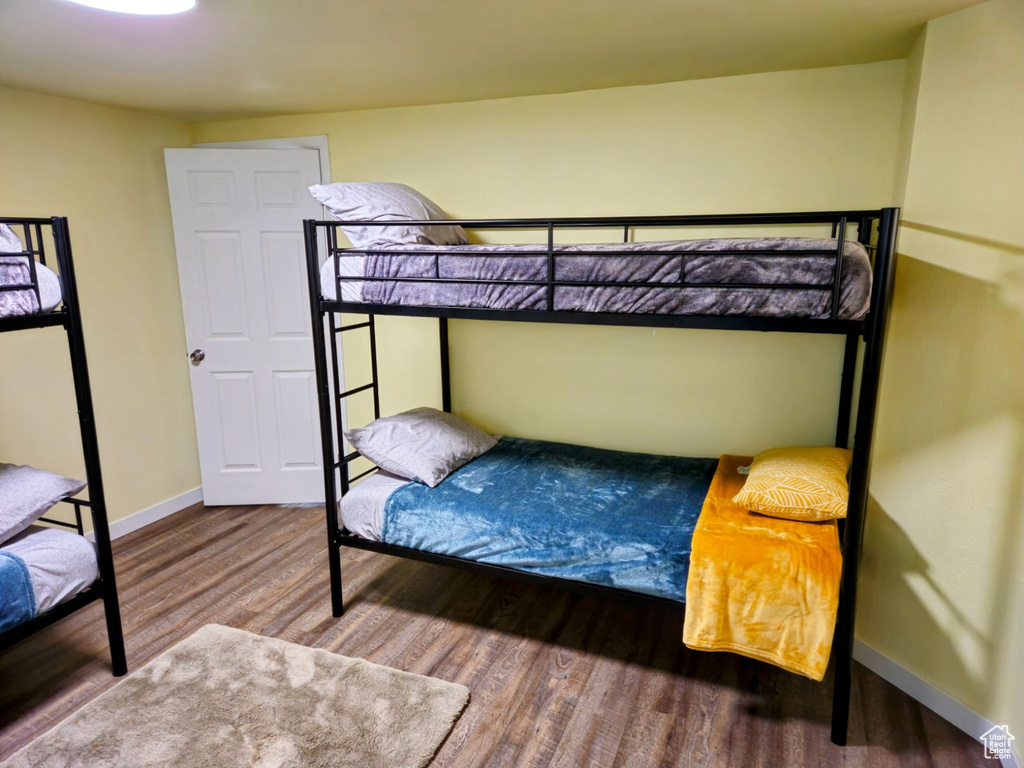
point(759, 586)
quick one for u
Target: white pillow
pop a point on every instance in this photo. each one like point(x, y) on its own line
point(424, 444)
point(384, 201)
point(26, 493)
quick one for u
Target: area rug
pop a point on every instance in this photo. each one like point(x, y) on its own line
point(226, 698)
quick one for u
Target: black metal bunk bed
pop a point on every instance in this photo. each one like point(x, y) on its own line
point(35, 233)
point(876, 230)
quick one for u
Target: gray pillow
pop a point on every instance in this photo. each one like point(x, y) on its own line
point(385, 201)
point(424, 444)
point(27, 493)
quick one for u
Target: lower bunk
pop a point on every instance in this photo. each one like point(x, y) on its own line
point(48, 568)
point(649, 527)
point(622, 520)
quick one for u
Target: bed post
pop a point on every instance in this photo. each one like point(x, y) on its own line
point(846, 390)
point(323, 389)
point(90, 446)
point(864, 231)
point(881, 299)
point(446, 374)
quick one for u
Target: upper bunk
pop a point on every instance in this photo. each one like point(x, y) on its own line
point(31, 291)
point(807, 272)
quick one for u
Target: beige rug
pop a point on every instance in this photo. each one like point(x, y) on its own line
point(226, 698)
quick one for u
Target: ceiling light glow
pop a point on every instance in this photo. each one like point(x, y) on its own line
point(140, 7)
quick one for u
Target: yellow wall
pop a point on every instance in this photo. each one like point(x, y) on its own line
point(103, 169)
point(942, 586)
point(791, 140)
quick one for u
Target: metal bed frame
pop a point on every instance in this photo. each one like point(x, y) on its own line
point(69, 317)
point(879, 225)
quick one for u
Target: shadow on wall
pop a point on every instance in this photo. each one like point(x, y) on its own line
point(901, 610)
point(944, 527)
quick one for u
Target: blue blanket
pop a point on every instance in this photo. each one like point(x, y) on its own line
point(619, 519)
point(17, 599)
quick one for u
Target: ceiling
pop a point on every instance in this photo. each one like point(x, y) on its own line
point(234, 58)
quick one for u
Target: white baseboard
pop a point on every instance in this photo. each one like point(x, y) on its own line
point(942, 704)
point(144, 517)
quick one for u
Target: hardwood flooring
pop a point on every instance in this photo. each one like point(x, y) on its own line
point(556, 679)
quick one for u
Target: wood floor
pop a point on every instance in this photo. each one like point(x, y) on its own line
point(556, 679)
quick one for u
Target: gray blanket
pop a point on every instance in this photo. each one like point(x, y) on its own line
point(745, 262)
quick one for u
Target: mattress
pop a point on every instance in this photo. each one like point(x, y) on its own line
point(59, 564)
point(14, 270)
point(749, 263)
point(622, 520)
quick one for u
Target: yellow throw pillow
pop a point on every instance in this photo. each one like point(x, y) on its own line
point(798, 483)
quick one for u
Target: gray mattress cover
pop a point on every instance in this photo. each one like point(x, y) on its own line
point(60, 563)
point(699, 261)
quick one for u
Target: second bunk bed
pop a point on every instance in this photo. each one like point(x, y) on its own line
point(48, 568)
point(537, 500)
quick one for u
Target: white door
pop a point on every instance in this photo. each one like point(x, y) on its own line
point(241, 263)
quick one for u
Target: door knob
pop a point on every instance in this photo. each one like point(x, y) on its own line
point(197, 356)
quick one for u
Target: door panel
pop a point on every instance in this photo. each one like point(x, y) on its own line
point(223, 285)
point(238, 230)
point(284, 266)
point(236, 409)
point(295, 398)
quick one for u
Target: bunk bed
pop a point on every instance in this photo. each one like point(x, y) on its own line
point(841, 285)
point(64, 570)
